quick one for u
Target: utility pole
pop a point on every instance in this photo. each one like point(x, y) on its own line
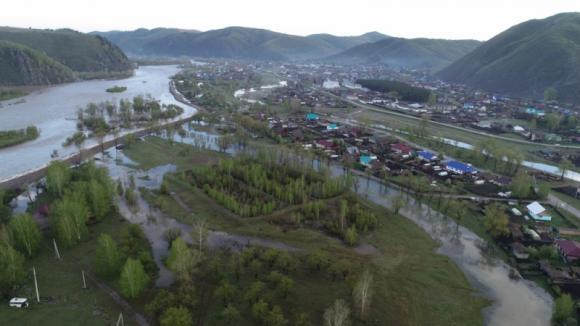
point(35, 284)
point(56, 249)
point(84, 280)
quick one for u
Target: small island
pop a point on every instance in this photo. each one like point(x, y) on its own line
point(14, 137)
point(9, 94)
point(116, 89)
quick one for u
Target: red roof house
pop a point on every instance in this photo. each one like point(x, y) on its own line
point(569, 249)
point(401, 148)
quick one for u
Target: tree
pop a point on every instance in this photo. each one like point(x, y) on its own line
point(11, 268)
point(563, 308)
point(181, 260)
point(398, 203)
point(496, 220)
point(260, 311)
point(230, 314)
point(285, 285)
point(565, 166)
point(521, 185)
point(176, 316)
point(553, 121)
point(70, 217)
point(225, 292)
point(133, 278)
point(276, 317)
point(337, 314)
point(363, 292)
point(199, 233)
point(550, 94)
point(107, 256)
point(57, 176)
point(343, 214)
point(25, 233)
point(350, 236)
point(100, 198)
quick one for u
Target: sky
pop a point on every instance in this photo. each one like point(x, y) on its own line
point(450, 19)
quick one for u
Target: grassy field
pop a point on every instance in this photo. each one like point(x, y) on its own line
point(14, 137)
point(61, 281)
point(414, 285)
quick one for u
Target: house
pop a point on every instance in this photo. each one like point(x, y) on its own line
point(312, 116)
point(401, 148)
point(535, 112)
point(426, 156)
point(367, 160)
point(459, 167)
point(331, 126)
point(538, 212)
point(519, 129)
point(569, 249)
point(325, 144)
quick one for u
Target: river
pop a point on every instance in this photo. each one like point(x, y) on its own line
point(53, 110)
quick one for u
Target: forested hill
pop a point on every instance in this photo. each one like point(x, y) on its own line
point(40, 57)
point(234, 42)
point(418, 53)
point(526, 59)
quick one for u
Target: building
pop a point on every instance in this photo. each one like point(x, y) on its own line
point(538, 212)
point(312, 116)
point(459, 167)
point(367, 160)
point(401, 148)
point(569, 249)
point(535, 112)
point(426, 156)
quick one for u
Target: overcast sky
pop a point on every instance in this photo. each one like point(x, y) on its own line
point(452, 19)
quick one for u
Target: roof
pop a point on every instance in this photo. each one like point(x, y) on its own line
point(366, 159)
point(18, 300)
point(401, 147)
point(536, 209)
point(332, 126)
point(460, 166)
point(426, 155)
point(570, 248)
point(312, 116)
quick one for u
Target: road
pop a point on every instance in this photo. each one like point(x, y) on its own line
point(557, 202)
point(476, 132)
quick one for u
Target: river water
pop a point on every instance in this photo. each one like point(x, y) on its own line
point(53, 111)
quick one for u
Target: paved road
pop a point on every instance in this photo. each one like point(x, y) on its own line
point(476, 132)
point(557, 202)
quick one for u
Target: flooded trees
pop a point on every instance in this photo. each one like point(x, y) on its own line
point(337, 314)
point(363, 292)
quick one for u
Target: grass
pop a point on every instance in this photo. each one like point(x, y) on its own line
point(62, 281)
point(14, 137)
point(414, 285)
point(116, 89)
point(574, 202)
point(9, 94)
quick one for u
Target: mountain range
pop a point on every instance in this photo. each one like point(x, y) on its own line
point(42, 57)
point(525, 60)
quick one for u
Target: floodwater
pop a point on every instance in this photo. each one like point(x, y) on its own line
point(53, 110)
point(155, 223)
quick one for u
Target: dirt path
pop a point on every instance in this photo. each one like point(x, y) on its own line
point(139, 318)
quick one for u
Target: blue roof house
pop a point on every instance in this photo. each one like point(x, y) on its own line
point(312, 116)
point(459, 167)
point(426, 156)
point(367, 160)
point(332, 126)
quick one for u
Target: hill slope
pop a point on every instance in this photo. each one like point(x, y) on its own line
point(526, 59)
point(233, 42)
point(85, 55)
point(407, 53)
point(21, 65)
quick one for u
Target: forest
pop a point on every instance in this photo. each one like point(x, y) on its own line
point(400, 90)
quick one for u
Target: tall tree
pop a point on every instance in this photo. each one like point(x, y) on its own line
point(565, 166)
point(231, 315)
point(107, 256)
point(25, 233)
point(496, 220)
point(70, 217)
point(176, 316)
point(11, 268)
point(337, 314)
point(363, 292)
point(133, 278)
point(181, 260)
point(57, 176)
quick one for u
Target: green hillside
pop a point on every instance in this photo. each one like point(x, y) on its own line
point(233, 42)
point(40, 57)
point(21, 65)
point(418, 53)
point(526, 59)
